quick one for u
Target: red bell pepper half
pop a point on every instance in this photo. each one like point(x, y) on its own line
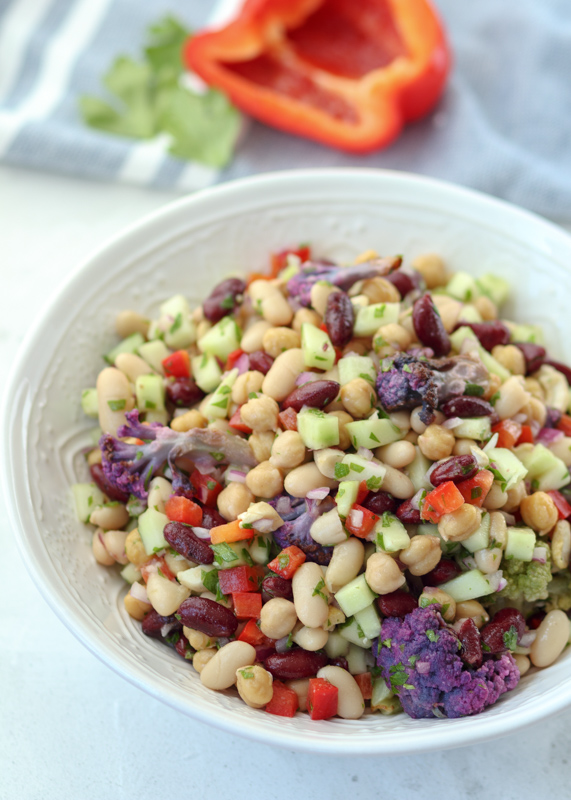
point(322, 699)
point(442, 500)
point(177, 364)
point(238, 579)
point(360, 521)
point(284, 702)
point(247, 605)
point(347, 74)
point(475, 490)
point(287, 561)
point(561, 504)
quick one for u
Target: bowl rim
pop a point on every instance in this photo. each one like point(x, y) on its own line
point(442, 737)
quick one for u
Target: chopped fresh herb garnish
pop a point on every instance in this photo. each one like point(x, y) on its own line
point(510, 638)
point(223, 552)
point(473, 390)
point(374, 483)
point(283, 560)
point(247, 557)
point(116, 405)
point(317, 590)
point(172, 638)
point(177, 323)
point(476, 492)
point(150, 404)
point(356, 467)
point(228, 302)
point(432, 635)
point(494, 398)
point(218, 456)
point(341, 470)
point(246, 673)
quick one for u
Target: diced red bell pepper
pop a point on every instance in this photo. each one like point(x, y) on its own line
point(346, 74)
point(252, 634)
point(288, 419)
point(181, 509)
point(475, 490)
point(360, 521)
point(561, 504)
point(443, 500)
point(526, 435)
point(238, 579)
point(365, 683)
point(284, 702)
point(322, 699)
point(565, 424)
point(288, 561)
point(235, 422)
point(247, 605)
point(206, 487)
point(279, 260)
point(508, 433)
point(233, 357)
point(177, 364)
point(230, 532)
point(362, 492)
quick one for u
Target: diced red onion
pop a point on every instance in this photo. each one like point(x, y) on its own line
point(283, 506)
point(306, 377)
point(236, 476)
point(363, 452)
point(470, 562)
point(548, 436)
point(535, 427)
point(167, 628)
point(495, 580)
point(356, 518)
point(281, 645)
point(263, 525)
point(423, 667)
point(242, 364)
point(539, 555)
point(416, 500)
point(482, 459)
point(202, 533)
point(318, 494)
point(452, 422)
point(139, 592)
point(521, 418)
point(502, 585)
point(528, 638)
point(509, 518)
point(491, 444)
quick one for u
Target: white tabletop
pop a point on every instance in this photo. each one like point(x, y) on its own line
point(70, 727)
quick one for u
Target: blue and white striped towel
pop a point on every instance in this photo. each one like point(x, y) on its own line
point(503, 125)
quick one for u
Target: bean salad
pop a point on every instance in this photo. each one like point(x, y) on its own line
point(339, 489)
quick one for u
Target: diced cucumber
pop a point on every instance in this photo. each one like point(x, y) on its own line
point(369, 621)
point(346, 497)
point(496, 288)
point(360, 469)
point(373, 432)
point(336, 645)
point(359, 301)
point(129, 345)
point(327, 460)
point(131, 573)
point(390, 534)
point(462, 286)
point(555, 478)
point(317, 429)
point(491, 364)
point(509, 467)
point(417, 470)
point(369, 319)
point(86, 496)
point(222, 339)
point(181, 332)
point(467, 586)
point(318, 351)
point(154, 354)
point(232, 554)
point(480, 539)
point(218, 404)
point(193, 578)
point(261, 548)
point(157, 416)
point(527, 333)
point(206, 372)
point(151, 526)
point(477, 428)
point(521, 544)
point(352, 632)
point(89, 403)
point(381, 697)
point(458, 337)
point(150, 393)
point(469, 313)
point(427, 529)
point(355, 596)
point(351, 367)
point(544, 469)
point(357, 660)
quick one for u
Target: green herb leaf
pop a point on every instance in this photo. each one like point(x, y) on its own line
point(116, 405)
point(510, 638)
point(223, 552)
point(374, 483)
point(473, 390)
point(341, 470)
point(432, 635)
point(317, 590)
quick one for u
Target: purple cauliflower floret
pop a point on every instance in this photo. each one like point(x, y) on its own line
point(419, 657)
point(130, 467)
point(296, 530)
point(299, 287)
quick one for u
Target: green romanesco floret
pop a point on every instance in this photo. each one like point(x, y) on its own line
point(559, 592)
point(527, 580)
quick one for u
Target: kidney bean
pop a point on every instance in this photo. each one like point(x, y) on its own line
point(469, 636)
point(223, 299)
point(339, 318)
point(405, 282)
point(183, 392)
point(340, 661)
point(444, 571)
point(101, 480)
point(456, 469)
point(408, 514)
point(396, 604)
point(276, 586)
point(184, 540)
point(264, 651)
point(534, 355)
point(183, 648)
point(489, 333)
point(511, 616)
point(428, 326)
point(152, 624)
point(316, 394)
point(207, 616)
point(467, 407)
point(211, 518)
point(535, 620)
point(261, 361)
point(559, 367)
point(295, 665)
point(379, 502)
point(494, 633)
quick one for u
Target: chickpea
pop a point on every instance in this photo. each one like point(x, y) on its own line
point(344, 437)
point(135, 549)
point(432, 268)
point(234, 500)
point(522, 663)
point(510, 357)
point(137, 609)
point(422, 554)
point(472, 609)
point(536, 411)
point(496, 498)
point(494, 384)
point(539, 512)
point(397, 454)
point(463, 447)
point(436, 442)
point(261, 445)
point(383, 574)
point(260, 414)
point(270, 302)
point(449, 310)
point(380, 290)
point(513, 397)
point(320, 292)
point(488, 559)
point(186, 422)
point(100, 552)
point(561, 544)
point(128, 322)
point(265, 480)
point(487, 308)
point(418, 425)
point(254, 685)
point(460, 524)
point(498, 530)
point(288, 450)
point(278, 618)
point(246, 384)
point(201, 658)
point(514, 497)
point(358, 397)
point(358, 347)
point(305, 315)
point(278, 340)
point(198, 640)
point(432, 595)
point(389, 339)
point(533, 386)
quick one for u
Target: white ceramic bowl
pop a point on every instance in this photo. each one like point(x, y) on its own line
point(188, 247)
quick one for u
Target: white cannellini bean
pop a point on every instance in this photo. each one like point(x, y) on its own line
point(350, 704)
point(311, 639)
point(164, 595)
point(310, 595)
point(328, 529)
point(220, 672)
point(159, 492)
point(302, 480)
point(346, 561)
point(113, 392)
point(280, 378)
point(551, 638)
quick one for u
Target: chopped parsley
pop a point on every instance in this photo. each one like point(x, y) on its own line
point(223, 552)
point(318, 590)
point(432, 635)
point(510, 638)
point(116, 405)
point(374, 483)
point(177, 323)
point(341, 470)
point(476, 492)
point(473, 390)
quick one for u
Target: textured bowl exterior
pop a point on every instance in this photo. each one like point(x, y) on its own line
point(187, 248)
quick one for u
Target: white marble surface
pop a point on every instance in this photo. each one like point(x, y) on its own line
point(70, 727)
